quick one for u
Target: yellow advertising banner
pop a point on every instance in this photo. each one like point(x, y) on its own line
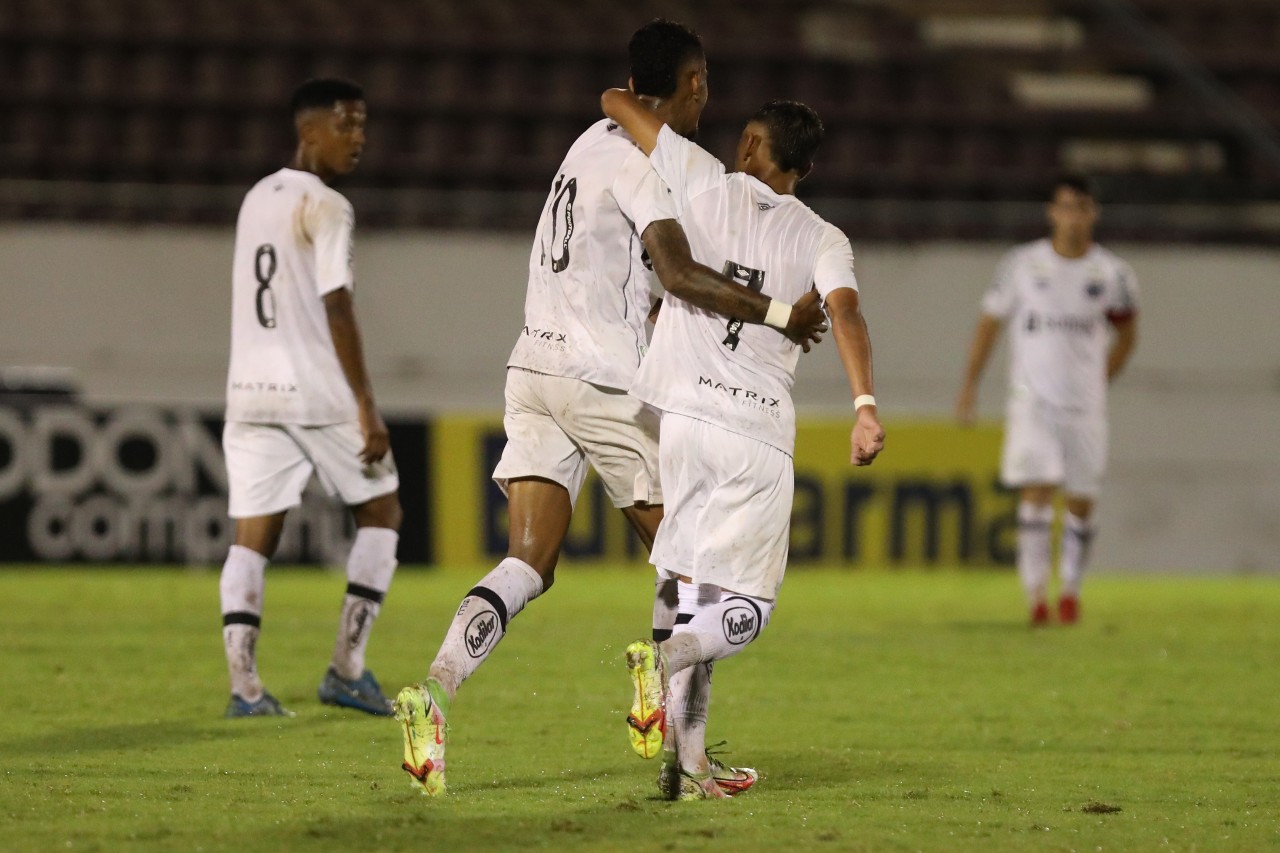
point(932, 498)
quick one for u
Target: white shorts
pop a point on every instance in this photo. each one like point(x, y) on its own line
point(728, 514)
point(268, 466)
point(1044, 444)
point(557, 426)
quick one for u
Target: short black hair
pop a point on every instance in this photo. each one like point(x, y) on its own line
point(324, 92)
point(658, 50)
point(795, 132)
point(1073, 181)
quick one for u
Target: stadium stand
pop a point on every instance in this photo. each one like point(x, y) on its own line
point(945, 119)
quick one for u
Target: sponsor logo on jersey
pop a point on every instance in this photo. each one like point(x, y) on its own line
point(1072, 325)
point(481, 633)
point(740, 393)
point(546, 335)
point(739, 624)
point(270, 387)
point(761, 205)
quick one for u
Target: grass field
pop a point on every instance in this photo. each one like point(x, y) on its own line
point(886, 711)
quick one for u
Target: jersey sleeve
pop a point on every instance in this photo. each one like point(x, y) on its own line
point(1002, 296)
point(688, 169)
point(332, 225)
point(1124, 300)
point(834, 268)
point(640, 193)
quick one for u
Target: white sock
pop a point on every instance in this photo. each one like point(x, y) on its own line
point(240, 590)
point(1034, 557)
point(482, 619)
point(665, 602)
point(718, 631)
point(1077, 535)
point(689, 690)
point(370, 567)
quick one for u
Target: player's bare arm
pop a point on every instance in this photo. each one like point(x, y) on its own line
point(1126, 338)
point(853, 342)
point(634, 116)
point(701, 286)
point(341, 311)
point(984, 340)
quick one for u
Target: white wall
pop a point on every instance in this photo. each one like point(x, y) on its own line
point(141, 314)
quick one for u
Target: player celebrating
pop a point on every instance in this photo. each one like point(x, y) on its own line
point(299, 399)
point(1059, 296)
point(728, 424)
point(566, 395)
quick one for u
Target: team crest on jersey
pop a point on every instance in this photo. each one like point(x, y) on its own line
point(1094, 289)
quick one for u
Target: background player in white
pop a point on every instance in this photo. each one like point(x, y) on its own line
point(1071, 307)
point(728, 424)
point(566, 397)
point(299, 399)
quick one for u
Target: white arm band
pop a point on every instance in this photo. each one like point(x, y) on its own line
point(778, 315)
point(863, 400)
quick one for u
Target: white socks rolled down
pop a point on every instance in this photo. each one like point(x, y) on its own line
point(1035, 559)
point(720, 629)
point(1077, 535)
point(370, 567)
point(482, 619)
point(240, 589)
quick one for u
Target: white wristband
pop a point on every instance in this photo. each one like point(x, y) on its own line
point(778, 315)
point(863, 400)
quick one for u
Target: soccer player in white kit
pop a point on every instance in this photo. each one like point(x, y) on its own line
point(728, 423)
point(567, 405)
point(299, 399)
point(1071, 308)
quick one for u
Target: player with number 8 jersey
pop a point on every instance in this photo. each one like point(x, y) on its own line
point(293, 246)
point(300, 402)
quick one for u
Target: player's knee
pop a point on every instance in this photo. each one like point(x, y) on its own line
point(383, 512)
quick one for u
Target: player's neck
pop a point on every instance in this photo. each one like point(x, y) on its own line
point(309, 161)
point(1071, 249)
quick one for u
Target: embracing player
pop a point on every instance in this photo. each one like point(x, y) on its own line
point(1071, 307)
point(728, 423)
point(567, 405)
point(299, 399)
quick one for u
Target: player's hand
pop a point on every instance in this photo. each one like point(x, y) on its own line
point(965, 405)
point(808, 322)
point(377, 440)
point(867, 438)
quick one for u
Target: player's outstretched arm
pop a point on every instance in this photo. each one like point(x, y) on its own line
point(703, 287)
point(984, 339)
point(853, 342)
point(341, 310)
point(1122, 347)
point(622, 106)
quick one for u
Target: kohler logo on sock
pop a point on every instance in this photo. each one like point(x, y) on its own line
point(739, 625)
point(482, 633)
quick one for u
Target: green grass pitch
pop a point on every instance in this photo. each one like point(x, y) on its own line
point(886, 711)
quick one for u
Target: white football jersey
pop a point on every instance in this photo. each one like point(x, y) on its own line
point(1057, 310)
point(293, 245)
point(735, 375)
point(589, 283)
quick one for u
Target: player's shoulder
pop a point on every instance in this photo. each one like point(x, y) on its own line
point(1109, 258)
point(1028, 252)
point(605, 137)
